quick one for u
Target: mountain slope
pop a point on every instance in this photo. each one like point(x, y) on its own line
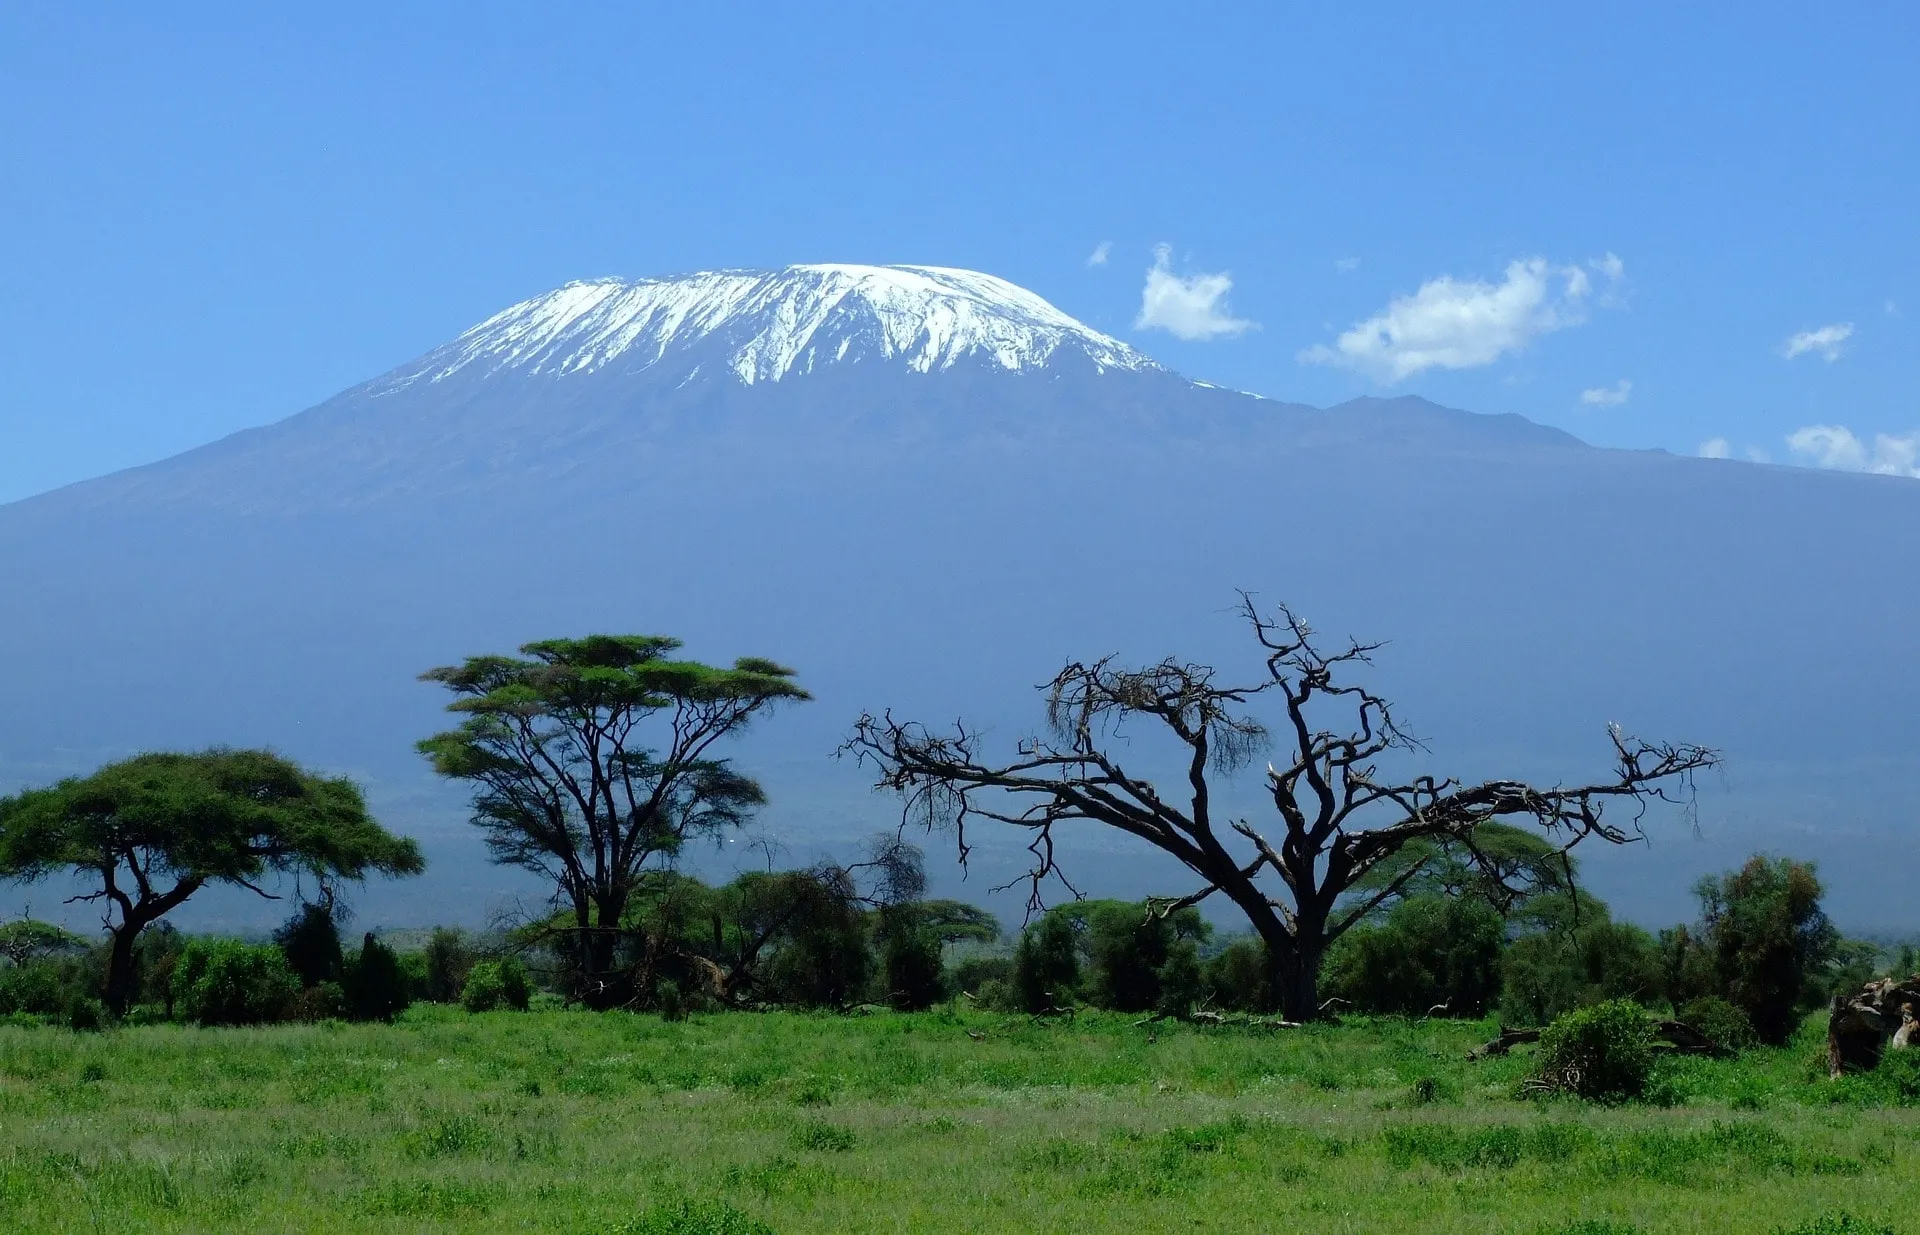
point(931, 518)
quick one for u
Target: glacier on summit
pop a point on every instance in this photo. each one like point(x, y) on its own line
point(770, 324)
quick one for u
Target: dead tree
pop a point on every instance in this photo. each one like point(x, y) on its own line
point(1339, 815)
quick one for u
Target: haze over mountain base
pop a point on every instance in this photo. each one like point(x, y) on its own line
point(938, 540)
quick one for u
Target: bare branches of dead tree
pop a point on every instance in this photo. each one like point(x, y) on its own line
point(1339, 815)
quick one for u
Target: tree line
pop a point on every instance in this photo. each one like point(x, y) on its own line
point(595, 763)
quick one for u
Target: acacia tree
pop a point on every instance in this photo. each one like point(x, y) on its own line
point(555, 744)
point(153, 830)
point(1340, 817)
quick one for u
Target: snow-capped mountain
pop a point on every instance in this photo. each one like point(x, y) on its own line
point(765, 325)
point(925, 488)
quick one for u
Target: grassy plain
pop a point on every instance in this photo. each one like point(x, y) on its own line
point(943, 1121)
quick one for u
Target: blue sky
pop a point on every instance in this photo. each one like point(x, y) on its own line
point(211, 218)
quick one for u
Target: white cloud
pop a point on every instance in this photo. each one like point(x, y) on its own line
point(1757, 455)
point(1347, 265)
point(1716, 448)
point(1610, 266)
point(1835, 446)
point(1461, 324)
point(1193, 307)
point(1099, 255)
point(1608, 396)
point(1828, 341)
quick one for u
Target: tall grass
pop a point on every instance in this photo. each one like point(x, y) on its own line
point(941, 1121)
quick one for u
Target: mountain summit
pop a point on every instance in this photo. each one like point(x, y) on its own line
point(765, 325)
point(927, 489)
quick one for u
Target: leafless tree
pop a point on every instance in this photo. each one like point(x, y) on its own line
point(1339, 815)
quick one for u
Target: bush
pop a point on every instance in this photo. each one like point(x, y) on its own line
point(1431, 951)
point(326, 1001)
point(86, 1015)
point(1603, 1053)
point(1132, 951)
point(448, 964)
point(311, 943)
point(227, 982)
point(374, 984)
point(910, 958)
point(1724, 1025)
point(492, 985)
point(1046, 964)
point(35, 989)
point(1563, 968)
point(1240, 976)
point(973, 972)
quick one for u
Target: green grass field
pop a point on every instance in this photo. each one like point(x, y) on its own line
point(729, 1124)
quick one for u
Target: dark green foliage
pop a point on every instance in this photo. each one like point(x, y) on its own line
point(1768, 938)
point(1575, 961)
point(1837, 1224)
point(564, 787)
point(34, 989)
point(689, 1217)
point(1603, 1053)
point(376, 987)
point(1046, 963)
point(824, 958)
point(448, 961)
point(227, 982)
point(1726, 1026)
point(152, 830)
point(1686, 965)
point(86, 1015)
point(1240, 977)
point(1129, 948)
point(311, 943)
point(496, 985)
point(970, 973)
point(1430, 952)
point(325, 1001)
point(910, 962)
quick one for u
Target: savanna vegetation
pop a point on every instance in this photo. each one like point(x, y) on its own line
point(1405, 1012)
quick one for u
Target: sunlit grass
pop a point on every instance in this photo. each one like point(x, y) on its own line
point(741, 1124)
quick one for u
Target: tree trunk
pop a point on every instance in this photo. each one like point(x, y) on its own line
point(1296, 980)
point(122, 974)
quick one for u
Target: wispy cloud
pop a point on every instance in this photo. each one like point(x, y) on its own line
point(1716, 448)
point(1466, 323)
point(1608, 396)
point(1835, 446)
point(1191, 307)
point(1100, 253)
point(1827, 342)
point(1347, 265)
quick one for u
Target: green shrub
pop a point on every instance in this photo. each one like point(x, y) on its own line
point(86, 1015)
point(1240, 976)
point(1724, 1025)
point(493, 985)
point(1573, 965)
point(1836, 1224)
point(375, 985)
point(311, 943)
point(1603, 1053)
point(689, 1217)
point(1046, 964)
point(447, 965)
point(1431, 951)
point(35, 989)
point(326, 1001)
point(227, 982)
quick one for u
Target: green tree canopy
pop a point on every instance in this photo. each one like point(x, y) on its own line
point(150, 831)
point(592, 765)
